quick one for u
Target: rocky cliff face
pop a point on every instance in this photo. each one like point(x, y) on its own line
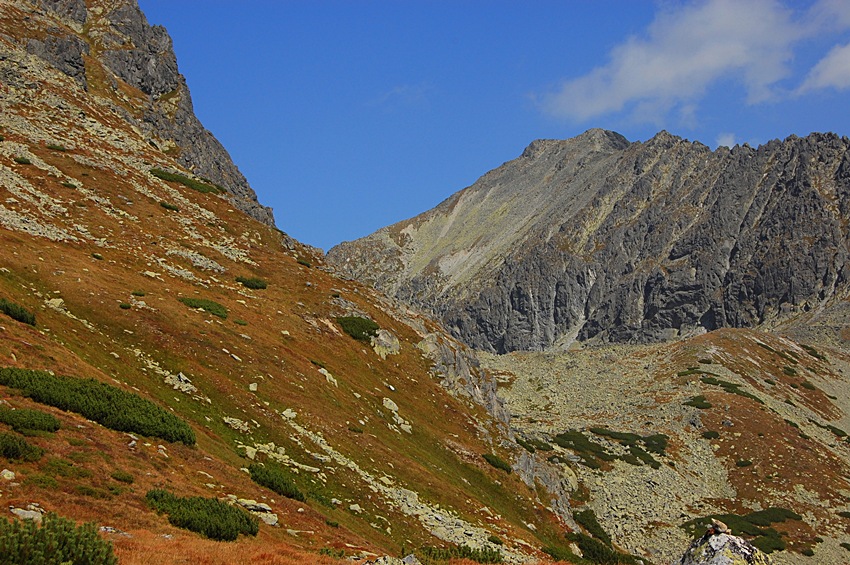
point(111, 52)
point(598, 238)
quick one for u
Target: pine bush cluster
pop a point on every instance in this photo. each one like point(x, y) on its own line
point(275, 479)
point(58, 540)
point(17, 312)
point(209, 517)
point(105, 404)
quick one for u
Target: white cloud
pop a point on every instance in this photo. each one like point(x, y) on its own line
point(833, 71)
point(683, 52)
point(726, 140)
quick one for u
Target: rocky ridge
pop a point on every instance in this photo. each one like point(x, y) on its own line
point(111, 52)
point(596, 238)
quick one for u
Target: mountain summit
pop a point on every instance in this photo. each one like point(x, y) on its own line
point(598, 238)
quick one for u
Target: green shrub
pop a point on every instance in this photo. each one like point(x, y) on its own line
point(252, 283)
point(15, 447)
point(755, 525)
point(525, 445)
point(56, 466)
point(710, 434)
point(169, 206)
point(587, 520)
point(497, 462)
point(97, 256)
point(122, 476)
point(304, 262)
point(41, 481)
point(17, 312)
point(93, 492)
point(125, 306)
point(274, 478)
point(240, 322)
point(58, 540)
point(590, 452)
point(331, 552)
point(209, 517)
point(845, 545)
point(355, 429)
point(595, 551)
point(790, 371)
point(698, 401)
point(194, 184)
point(844, 514)
point(483, 555)
point(213, 308)
point(769, 544)
point(22, 161)
point(56, 147)
point(730, 387)
point(138, 293)
point(105, 404)
point(813, 352)
point(24, 419)
point(561, 554)
point(743, 463)
point(361, 329)
point(496, 540)
point(68, 184)
point(808, 385)
point(332, 523)
point(808, 552)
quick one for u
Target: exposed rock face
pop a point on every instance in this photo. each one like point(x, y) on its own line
point(723, 549)
point(118, 35)
point(596, 237)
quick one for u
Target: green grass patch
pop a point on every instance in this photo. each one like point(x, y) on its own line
point(194, 184)
point(56, 147)
point(169, 206)
point(698, 401)
point(105, 404)
point(23, 419)
point(209, 517)
point(68, 184)
point(17, 312)
point(209, 306)
point(239, 322)
point(276, 479)
point(253, 283)
point(41, 481)
point(361, 329)
point(497, 462)
point(13, 446)
point(22, 161)
point(304, 262)
point(57, 540)
point(123, 476)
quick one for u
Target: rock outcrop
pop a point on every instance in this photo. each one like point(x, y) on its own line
point(118, 44)
point(598, 238)
point(723, 549)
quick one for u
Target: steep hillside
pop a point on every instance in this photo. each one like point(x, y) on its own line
point(596, 238)
point(143, 274)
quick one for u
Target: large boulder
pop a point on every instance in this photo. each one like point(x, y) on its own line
point(723, 549)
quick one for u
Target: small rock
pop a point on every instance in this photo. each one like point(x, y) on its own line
point(355, 508)
point(252, 387)
point(7, 474)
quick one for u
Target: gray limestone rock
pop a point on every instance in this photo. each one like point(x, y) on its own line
point(723, 549)
point(596, 238)
point(64, 53)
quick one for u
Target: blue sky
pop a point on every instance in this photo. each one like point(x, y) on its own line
point(350, 115)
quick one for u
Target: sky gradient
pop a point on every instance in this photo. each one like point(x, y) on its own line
point(347, 116)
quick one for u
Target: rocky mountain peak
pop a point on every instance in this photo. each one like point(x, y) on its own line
point(131, 66)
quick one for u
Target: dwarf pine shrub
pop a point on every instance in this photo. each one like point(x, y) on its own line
point(107, 405)
point(253, 283)
point(17, 312)
point(58, 540)
point(482, 555)
point(497, 462)
point(13, 446)
point(209, 517)
point(209, 306)
point(361, 329)
point(274, 478)
point(24, 419)
point(194, 184)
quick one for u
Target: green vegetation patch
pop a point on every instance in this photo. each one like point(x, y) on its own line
point(755, 525)
point(13, 446)
point(58, 540)
point(22, 161)
point(710, 434)
point(56, 147)
point(276, 479)
point(169, 206)
point(361, 329)
point(497, 462)
point(589, 451)
point(23, 419)
point(105, 404)
point(587, 520)
point(17, 312)
point(835, 430)
point(813, 352)
point(698, 401)
point(253, 283)
point(209, 517)
point(596, 551)
point(730, 388)
point(209, 306)
point(482, 555)
point(123, 476)
point(194, 184)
